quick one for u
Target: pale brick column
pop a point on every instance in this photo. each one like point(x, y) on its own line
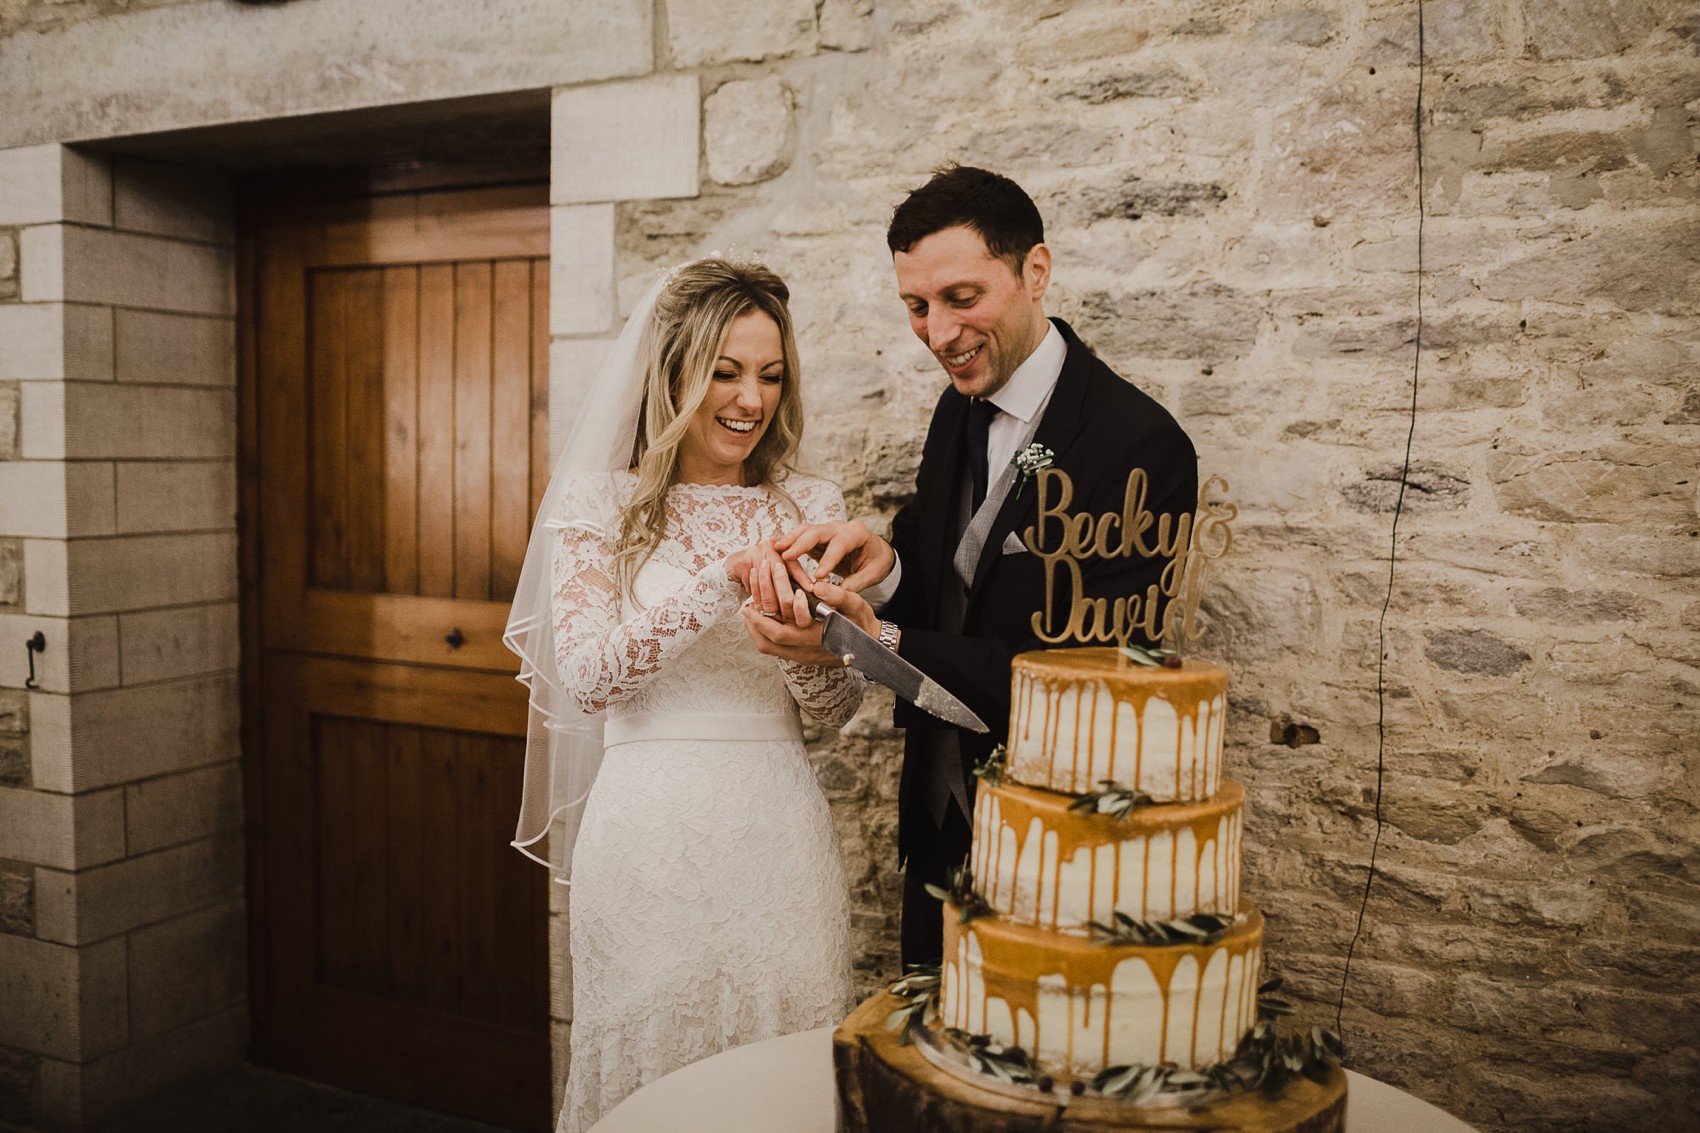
point(121, 919)
point(624, 141)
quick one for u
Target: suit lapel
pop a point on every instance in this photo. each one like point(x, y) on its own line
point(938, 506)
point(1063, 419)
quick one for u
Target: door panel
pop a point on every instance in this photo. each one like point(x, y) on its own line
point(398, 394)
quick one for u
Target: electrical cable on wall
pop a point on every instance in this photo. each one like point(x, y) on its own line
point(1393, 549)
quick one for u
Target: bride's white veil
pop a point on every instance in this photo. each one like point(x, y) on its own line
point(563, 748)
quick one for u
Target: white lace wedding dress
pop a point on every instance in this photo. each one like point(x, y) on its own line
point(708, 904)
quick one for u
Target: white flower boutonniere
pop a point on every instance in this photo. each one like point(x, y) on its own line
point(1028, 462)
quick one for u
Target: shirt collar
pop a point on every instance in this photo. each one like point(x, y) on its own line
point(1027, 388)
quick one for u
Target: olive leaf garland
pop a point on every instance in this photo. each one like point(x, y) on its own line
point(1114, 799)
point(990, 769)
point(1198, 928)
point(1153, 656)
point(961, 893)
point(919, 990)
point(987, 1056)
point(1265, 1060)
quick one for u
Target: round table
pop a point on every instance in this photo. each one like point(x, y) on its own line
point(784, 1085)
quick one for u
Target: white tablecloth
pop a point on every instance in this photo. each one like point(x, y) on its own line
point(784, 1085)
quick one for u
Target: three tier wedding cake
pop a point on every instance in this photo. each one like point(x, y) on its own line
point(1101, 969)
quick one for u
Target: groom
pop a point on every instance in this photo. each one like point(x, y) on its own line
point(972, 268)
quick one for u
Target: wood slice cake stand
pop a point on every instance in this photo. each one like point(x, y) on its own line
point(885, 1087)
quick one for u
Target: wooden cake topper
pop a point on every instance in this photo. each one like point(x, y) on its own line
point(1167, 613)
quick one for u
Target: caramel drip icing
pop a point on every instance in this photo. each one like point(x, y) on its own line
point(1025, 881)
point(1196, 693)
point(1006, 970)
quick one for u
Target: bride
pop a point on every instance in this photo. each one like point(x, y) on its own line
point(707, 905)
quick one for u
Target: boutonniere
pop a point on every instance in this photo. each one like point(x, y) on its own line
point(1028, 462)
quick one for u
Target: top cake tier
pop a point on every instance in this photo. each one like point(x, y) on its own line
point(1079, 717)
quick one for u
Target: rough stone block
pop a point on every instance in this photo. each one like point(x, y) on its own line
point(181, 808)
point(14, 712)
point(1606, 771)
point(1454, 31)
point(1428, 486)
point(1308, 27)
point(1650, 266)
point(581, 269)
point(11, 572)
point(168, 349)
point(1473, 651)
point(8, 263)
point(730, 31)
point(10, 412)
point(187, 969)
point(1585, 29)
point(847, 25)
point(1346, 152)
point(17, 901)
point(14, 761)
point(125, 895)
point(170, 200)
point(1208, 322)
point(1612, 483)
point(1564, 606)
point(168, 495)
point(625, 141)
point(748, 130)
point(63, 1002)
point(120, 735)
point(45, 184)
point(1135, 197)
point(127, 270)
point(62, 831)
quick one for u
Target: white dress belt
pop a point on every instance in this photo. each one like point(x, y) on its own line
point(702, 726)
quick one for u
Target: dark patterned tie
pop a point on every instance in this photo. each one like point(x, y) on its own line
point(980, 414)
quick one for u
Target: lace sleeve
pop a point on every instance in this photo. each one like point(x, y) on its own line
point(603, 660)
point(827, 694)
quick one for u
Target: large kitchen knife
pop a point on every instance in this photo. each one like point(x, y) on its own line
point(861, 652)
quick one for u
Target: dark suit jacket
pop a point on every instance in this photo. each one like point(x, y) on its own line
point(1100, 428)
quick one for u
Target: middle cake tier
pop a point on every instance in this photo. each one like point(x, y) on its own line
point(1040, 863)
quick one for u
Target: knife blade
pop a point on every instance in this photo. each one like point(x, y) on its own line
point(874, 661)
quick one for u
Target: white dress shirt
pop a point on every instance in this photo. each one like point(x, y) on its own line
point(1021, 397)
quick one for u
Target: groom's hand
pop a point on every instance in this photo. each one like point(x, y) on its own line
point(848, 548)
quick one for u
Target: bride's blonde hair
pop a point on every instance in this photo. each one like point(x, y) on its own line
point(680, 347)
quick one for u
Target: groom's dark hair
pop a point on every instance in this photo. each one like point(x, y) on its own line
point(962, 196)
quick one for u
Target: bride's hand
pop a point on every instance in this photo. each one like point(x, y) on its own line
point(774, 596)
point(739, 564)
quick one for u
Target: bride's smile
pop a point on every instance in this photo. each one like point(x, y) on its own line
point(743, 395)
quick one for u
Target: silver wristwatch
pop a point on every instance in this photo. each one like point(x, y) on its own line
point(888, 635)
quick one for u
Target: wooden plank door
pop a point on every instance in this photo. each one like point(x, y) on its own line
point(395, 368)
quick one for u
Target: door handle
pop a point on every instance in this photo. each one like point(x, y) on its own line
point(455, 638)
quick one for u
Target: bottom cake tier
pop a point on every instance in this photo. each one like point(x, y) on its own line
point(884, 1086)
point(1078, 1006)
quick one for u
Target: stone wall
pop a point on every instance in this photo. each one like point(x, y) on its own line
point(122, 924)
point(1231, 195)
point(1231, 191)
